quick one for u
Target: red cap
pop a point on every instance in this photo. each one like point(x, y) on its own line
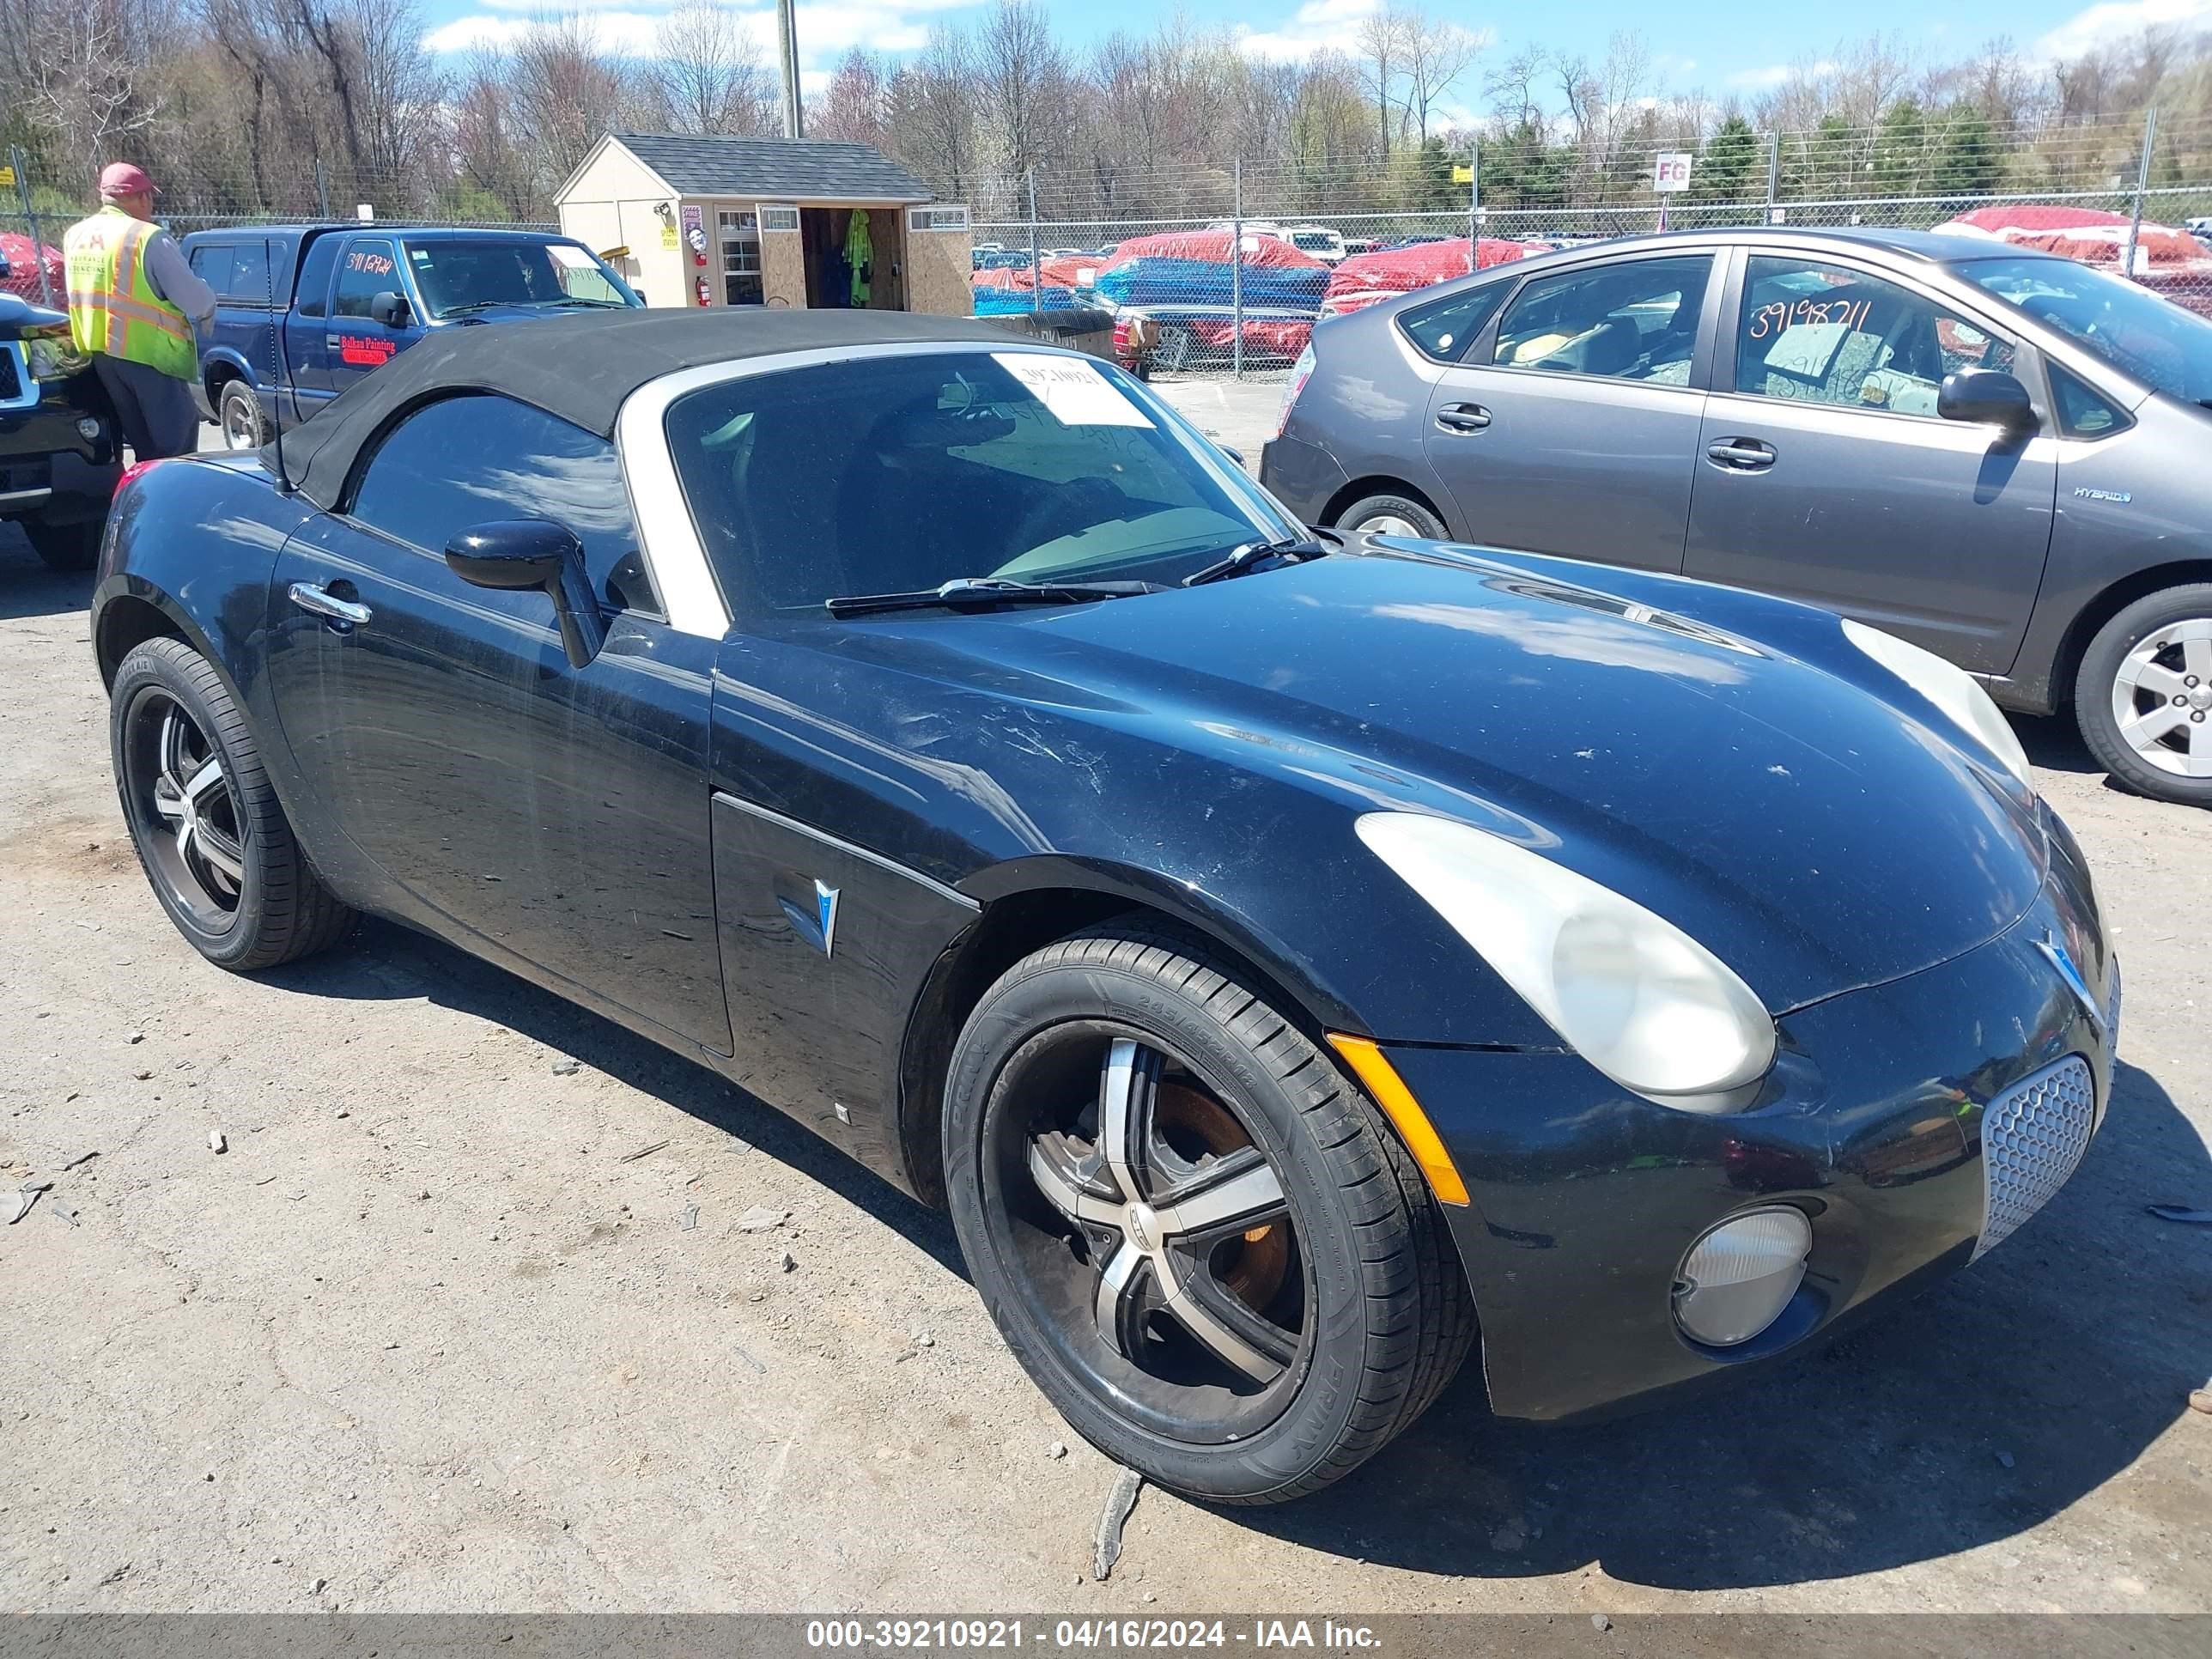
point(124, 178)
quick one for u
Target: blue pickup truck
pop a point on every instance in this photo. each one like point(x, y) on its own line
point(306, 310)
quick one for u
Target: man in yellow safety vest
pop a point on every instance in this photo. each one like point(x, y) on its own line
point(133, 304)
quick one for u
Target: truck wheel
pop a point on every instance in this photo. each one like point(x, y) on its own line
point(2143, 696)
point(238, 414)
point(65, 547)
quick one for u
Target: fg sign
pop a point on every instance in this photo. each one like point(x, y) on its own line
point(1671, 172)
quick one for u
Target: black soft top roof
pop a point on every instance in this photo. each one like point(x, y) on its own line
point(580, 366)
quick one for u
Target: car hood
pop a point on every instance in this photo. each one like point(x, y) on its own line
point(1816, 836)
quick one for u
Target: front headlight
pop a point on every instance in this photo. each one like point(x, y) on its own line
point(1629, 991)
point(1951, 689)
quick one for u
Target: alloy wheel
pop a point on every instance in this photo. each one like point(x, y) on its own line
point(2162, 698)
point(1161, 1252)
point(1387, 523)
point(183, 811)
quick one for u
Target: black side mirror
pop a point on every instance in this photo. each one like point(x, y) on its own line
point(521, 553)
point(1985, 396)
point(390, 309)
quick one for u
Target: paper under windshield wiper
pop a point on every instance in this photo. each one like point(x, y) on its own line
point(974, 592)
point(1295, 549)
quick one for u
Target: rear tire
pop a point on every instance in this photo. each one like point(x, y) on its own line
point(210, 834)
point(1333, 1270)
point(65, 547)
point(1392, 515)
point(238, 417)
point(2143, 696)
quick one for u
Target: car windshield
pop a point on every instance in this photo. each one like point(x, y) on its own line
point(894, 474)
point(456, 276)
point(2125, 324)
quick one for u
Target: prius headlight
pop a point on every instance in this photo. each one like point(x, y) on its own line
point(1630, 992)
point(1951, 689)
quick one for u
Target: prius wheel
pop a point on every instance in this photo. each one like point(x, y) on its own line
point(213, 840)
point(1391, 515)
point(2144, 695)
point(1196, 1234)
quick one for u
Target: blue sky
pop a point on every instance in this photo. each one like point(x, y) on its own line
point(1708, 47)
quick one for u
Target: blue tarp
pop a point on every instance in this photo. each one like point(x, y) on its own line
point(1003, 302)
point(1151, 280)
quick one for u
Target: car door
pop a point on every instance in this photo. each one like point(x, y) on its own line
point(1576, 432)
point(1825, 473)
point(355, 343)
point(307, 327)
point(451, 753)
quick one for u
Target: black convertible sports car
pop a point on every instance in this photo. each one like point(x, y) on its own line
point(1293, 961)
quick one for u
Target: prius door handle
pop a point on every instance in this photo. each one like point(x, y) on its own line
point(1462, 418)
point(1741, 454)
point(309, 597)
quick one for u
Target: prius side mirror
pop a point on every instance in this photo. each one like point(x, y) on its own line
point(523, 553)
point(1985, 396)
point(390, 309)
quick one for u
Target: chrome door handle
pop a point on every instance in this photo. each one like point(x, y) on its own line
point(1741, 454)
point(309, 597)
point(1462, 418)
point(332, 342)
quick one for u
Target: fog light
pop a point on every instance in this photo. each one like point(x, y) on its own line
point(88, 429)
point(1737, 1280)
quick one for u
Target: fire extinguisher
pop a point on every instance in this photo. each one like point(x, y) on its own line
point(703, 292)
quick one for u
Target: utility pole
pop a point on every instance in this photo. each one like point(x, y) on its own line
point(2142, 184)
point(786, 34)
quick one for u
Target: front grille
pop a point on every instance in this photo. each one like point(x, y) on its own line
point(13, 379)
point(2032, 1137)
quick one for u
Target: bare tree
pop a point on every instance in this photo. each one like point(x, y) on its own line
point(566, 90)
point(709, 72)
point(1382, 65)
point(1437, 53)
point(856, 107)
point(1021, 80)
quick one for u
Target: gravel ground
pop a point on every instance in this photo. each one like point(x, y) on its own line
point(431, 1333)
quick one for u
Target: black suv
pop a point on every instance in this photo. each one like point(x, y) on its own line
point(60, 453)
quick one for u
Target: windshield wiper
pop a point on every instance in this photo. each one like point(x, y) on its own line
point(975, 593)
point(1295, 550)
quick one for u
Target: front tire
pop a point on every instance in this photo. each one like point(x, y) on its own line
point(211, 835)
point(1391, 515)
point(2143, 696)
point(66, 548)
point(1198, 1237)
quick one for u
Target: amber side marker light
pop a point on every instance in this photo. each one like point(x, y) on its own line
point(1372, 1068)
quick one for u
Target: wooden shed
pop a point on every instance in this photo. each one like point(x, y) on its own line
point(718, 220)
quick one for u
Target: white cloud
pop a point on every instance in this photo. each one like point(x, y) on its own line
point(1775, 75)
point(2115, 21)
point(1316, 26)
point(627, 28)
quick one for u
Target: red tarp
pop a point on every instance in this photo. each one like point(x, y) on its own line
point(2089, 235)
point(1068, 271)
point(23, 272)
point(1367, 279)
point(1266, 252)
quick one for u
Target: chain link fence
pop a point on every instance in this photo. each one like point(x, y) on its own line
point(1238, 291)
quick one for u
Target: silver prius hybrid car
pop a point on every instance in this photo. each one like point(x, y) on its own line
point(2001, 455)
